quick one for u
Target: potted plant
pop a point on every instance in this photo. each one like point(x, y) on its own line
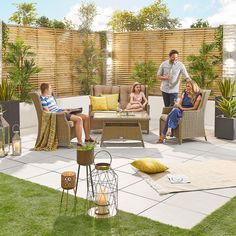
point(22, 67)
point(227, 88)
point(224, 108)
point(9, 104)
point(226, 123)
point(85, 154)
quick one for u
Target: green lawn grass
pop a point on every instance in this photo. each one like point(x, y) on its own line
point(31, 209)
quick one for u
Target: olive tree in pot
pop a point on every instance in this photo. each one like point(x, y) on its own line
point(224, 109)
point(9, 104)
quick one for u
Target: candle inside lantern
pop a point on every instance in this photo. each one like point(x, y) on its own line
point(102, 203)
point(17, 148)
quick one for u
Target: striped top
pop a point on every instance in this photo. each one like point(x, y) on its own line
point(173, 71)
point(50, 103)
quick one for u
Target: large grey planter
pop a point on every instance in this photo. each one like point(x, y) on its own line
point(225, 127)
point(11, 114)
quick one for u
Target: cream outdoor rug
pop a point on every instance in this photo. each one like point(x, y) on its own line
point(204, 175)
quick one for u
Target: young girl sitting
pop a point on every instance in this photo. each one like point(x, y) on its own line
point(138, 101)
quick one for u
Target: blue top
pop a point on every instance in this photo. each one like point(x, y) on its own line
point(50, 103)
point(186, 102)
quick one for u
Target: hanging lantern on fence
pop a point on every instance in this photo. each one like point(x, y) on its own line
point(4, 135)
point(16, 141)
point(103, 202)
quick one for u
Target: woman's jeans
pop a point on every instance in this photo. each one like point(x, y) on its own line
point(172, 120)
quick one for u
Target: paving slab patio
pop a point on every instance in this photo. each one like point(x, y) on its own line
point(184, 210)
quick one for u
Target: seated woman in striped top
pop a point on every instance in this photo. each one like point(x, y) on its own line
point(81, 121)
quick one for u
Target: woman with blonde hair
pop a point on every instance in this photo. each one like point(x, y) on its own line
point(189, 100)
point(138, 101)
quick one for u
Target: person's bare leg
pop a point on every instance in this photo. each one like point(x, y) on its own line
point(136, 109)
point(86, 125)
point(169, 131)
point(78, 127)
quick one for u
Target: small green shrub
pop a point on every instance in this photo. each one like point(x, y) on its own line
point(145, 73)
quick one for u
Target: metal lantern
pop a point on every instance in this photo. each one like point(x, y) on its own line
point(16, 141)
point(4, 135)
point(103, 194)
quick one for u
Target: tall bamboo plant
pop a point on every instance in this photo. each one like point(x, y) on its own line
point(145, 73)
point(90, 62)
point(202, 66)
point(22, 67)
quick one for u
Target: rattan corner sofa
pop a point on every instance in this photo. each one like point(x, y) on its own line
point(124, 95)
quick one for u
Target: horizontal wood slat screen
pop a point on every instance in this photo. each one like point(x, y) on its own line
point(134, 47)
point(56, 53)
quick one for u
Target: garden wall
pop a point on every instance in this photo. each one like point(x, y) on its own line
point(134, 47)
point(56, 53)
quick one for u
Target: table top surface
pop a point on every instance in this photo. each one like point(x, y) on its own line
point(113, 115)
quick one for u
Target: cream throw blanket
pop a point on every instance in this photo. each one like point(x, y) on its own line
point(212, 174)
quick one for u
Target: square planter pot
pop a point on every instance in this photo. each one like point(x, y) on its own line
point(11, 114)
point(225, 127)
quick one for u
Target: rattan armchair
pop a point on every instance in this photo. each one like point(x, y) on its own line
point(191, 124)
point(65, 129)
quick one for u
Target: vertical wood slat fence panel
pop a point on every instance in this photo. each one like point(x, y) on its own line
point(56, 51)
point(133, 47)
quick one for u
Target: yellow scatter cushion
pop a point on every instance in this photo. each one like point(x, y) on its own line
point(98, 103)
point(112, 101)
point(149, 165)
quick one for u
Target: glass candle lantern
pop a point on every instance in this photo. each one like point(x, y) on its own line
point(102, 196)
point(16, 141)
point(4, 135)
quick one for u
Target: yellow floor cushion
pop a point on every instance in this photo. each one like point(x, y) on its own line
point(149, 165)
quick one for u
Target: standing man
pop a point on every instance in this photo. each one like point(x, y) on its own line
point(169, 73)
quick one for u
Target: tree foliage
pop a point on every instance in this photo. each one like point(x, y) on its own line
point(89, 64)
point(153, 17)
point(44, 21)
point(25, 14)
point(200, 23)
point(5, 37)
point(202, 66)
point(86, 13)
point(219, 43)
point(21, 68)
point(145, 73)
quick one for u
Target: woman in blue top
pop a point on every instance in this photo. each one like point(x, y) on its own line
point(189, 100)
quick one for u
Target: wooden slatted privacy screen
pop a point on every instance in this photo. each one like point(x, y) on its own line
point(134, 47)
point(56, 53)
